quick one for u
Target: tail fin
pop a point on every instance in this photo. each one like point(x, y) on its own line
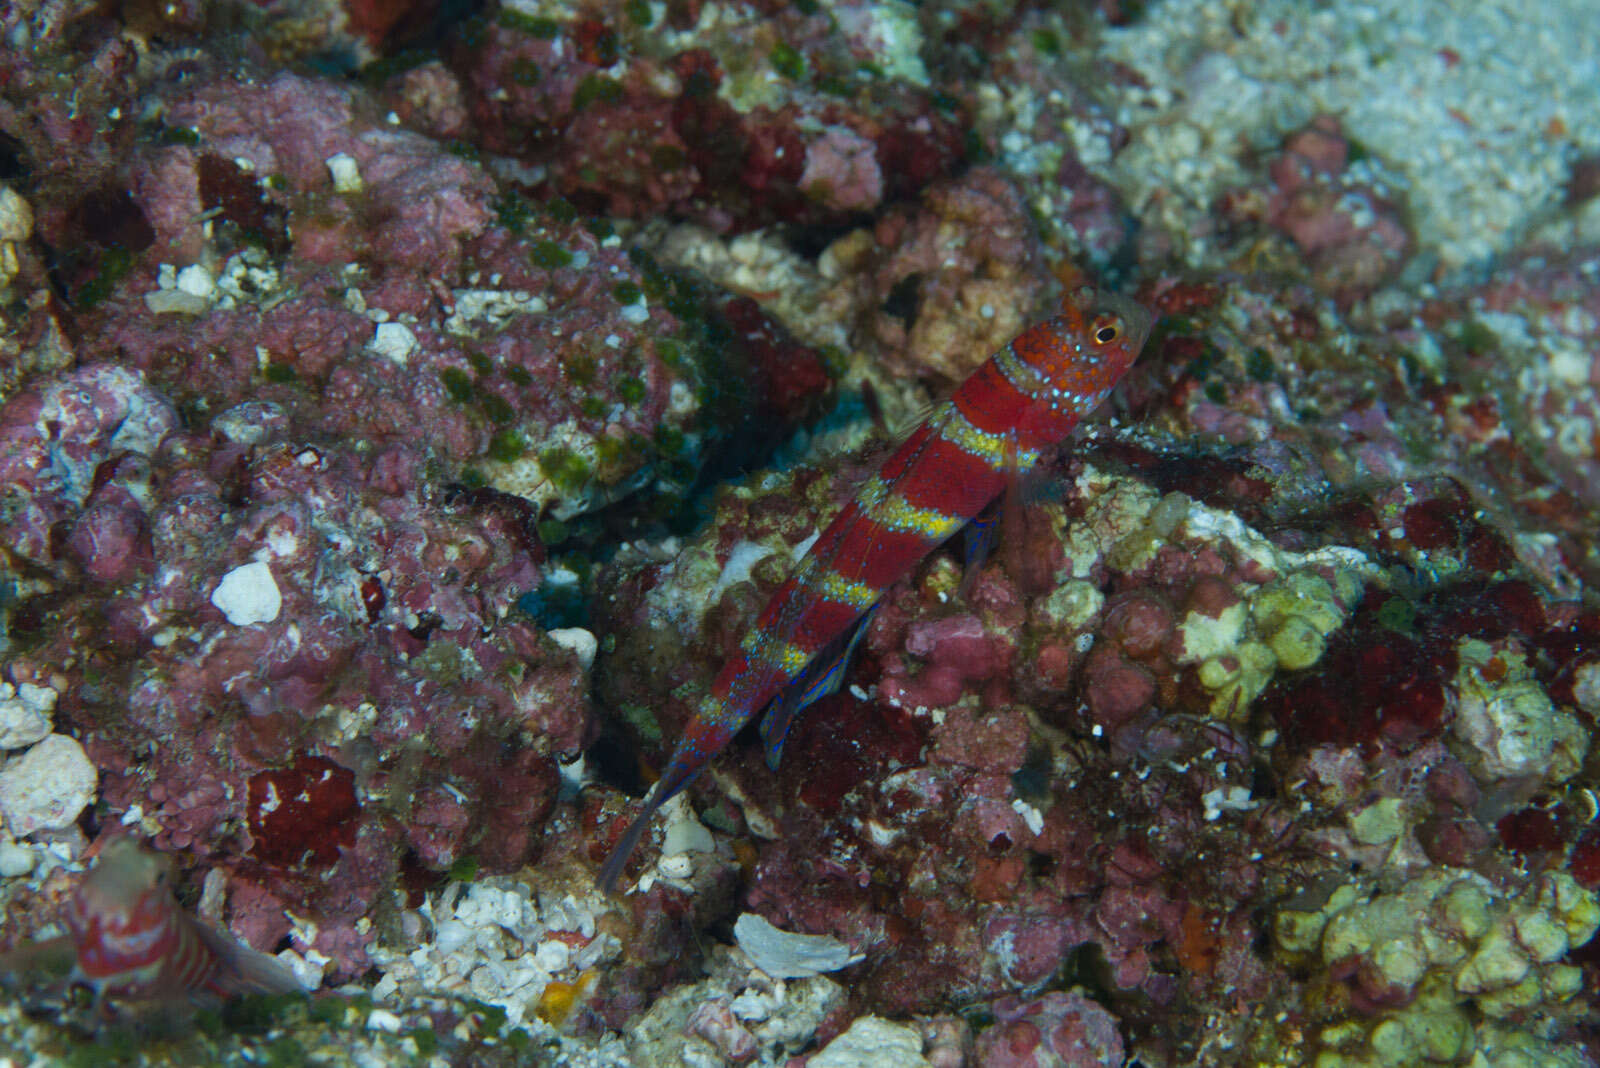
point(244, 970)
point(686, 763)
point(606, 881)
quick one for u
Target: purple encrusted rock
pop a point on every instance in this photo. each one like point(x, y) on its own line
point(1054, 1030)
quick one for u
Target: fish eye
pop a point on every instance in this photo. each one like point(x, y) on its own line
point(1107, 329)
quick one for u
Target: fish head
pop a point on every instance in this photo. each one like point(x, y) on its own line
point(123, 917)
point(1088, 346)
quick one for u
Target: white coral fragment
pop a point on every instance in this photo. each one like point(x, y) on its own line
point(1516, 729)
point(24, 713)
point(47, 787)
point(787, 955)
point(247, 595)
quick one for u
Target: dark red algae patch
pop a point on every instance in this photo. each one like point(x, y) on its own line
point(300, 816)
point(95, 244)
point(1372, 685)
point(1448, 524)
point(235, 196)
point(840, 743)
point(1223, 482)
point(791, 381)
point(1584, 863)
point(1536, 829)
point(1568, 646)
point(1498, 610)
point(1382, 679)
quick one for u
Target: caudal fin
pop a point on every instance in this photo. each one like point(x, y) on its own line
point(244, 970)
point(606, 881)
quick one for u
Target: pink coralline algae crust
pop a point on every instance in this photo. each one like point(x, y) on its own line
point(1353, 238)
point(485, 299)
point(655, 138)
point(71, 450)
point(312, 751)
point(421, 202)
point(430, 100)
point(53, 110)
point(842, 171)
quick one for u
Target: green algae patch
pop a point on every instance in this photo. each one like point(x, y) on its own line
point(496, 407)
point(458, 385)
point(596, 88)
point(446, 663)
point(631, 390)
point(566, 468)
point(787, 61)
point(549, 255)
point(581, 369)
point(507, 445)
point(513, 212)
point(546, 29)
point(526, 73)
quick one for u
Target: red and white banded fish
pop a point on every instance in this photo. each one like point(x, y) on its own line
point(132, 940)
point(997, 425)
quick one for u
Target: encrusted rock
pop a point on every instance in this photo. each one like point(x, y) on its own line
point(873, 1042)
point(1447, 948)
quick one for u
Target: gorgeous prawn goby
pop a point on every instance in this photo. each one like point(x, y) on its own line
point(1023, 401)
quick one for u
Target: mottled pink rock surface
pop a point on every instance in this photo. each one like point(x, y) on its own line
point(406, 409)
